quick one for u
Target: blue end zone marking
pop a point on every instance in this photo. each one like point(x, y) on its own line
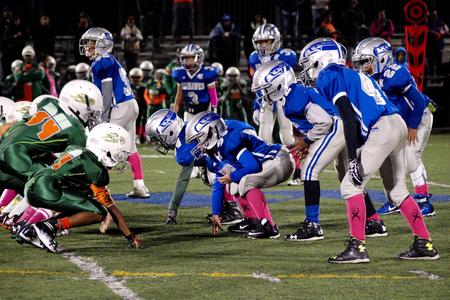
point(190, 199)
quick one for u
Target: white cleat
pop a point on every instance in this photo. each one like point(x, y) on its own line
point(104, 225)
point(139, 192)
point(295, 182)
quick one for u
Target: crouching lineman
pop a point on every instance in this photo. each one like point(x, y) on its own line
point(373, 56)
point(244, 161)
point(372, 121)
point(75, 185)
point(167, 131)
point(323, 140)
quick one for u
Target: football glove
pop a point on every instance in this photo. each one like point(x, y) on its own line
point(354, 173)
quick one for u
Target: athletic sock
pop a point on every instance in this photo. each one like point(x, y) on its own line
point(247, 208)
point(356, 216)
point(7, 196)
point(256, 199)
point(411, 212)
point(312, 200)
point(136, 166)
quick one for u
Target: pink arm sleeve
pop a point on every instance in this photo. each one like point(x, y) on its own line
point(213, 95)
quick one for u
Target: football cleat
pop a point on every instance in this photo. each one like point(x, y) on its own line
point(424, 202)
point(355, 253)
point(9, 222)
point(27, 235)
point(139, 192)
point(195, 173)
point(46, 233)
point(421, 249)
point(16, 227)
point(171, 217)
point(264, 230)
point(310, 231)
point(295, 182)
point(375, 228)
point(244, 226)
point(228, 217)
point(388, 209)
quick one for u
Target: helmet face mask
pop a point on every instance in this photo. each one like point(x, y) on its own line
point(96, 41)
point(191, 57)
point(111, 144)
point(163, 129)
point(266, 39)
point(271, 81)
point(372, 56)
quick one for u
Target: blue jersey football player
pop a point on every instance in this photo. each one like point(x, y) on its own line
point(119, 105)
point(373, 56)
point(196, 83)
point(371, 123)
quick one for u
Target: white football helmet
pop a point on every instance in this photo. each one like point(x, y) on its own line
point(28, 50)
point(37, 100)
point(205, 128)
point(51, 63)
point(147, 67)
point(6, 108)
point(194, 52)
point(136, 72)
point(163, 128)
point(271, 81)
point(372, 55)
point(160, 73)
point(111, 144)
point(20, 111)
point(83, 71)
point(318, 54)
point(82, 99)
point(97, 39)
point(233, 74)
point(266, 32)
point(17, 64)
point(218, 66)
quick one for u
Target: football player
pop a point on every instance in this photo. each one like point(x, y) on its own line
point(234, 95)
point(75, 185)
point(372, 124)
point(267, 42)
point(373, 56)
point(167, 131)
point(245, 162)
point(322, 141)
point(119, 105)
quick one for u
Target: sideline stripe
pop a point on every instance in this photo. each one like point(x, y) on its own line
point(211, 275)
point(97, 273)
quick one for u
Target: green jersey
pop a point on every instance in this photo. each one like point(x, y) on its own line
point(80, 168)
point(49, 130)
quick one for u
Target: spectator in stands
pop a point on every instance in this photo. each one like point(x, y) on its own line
point(437, 30)
point(289, 21)
point(183, 19)
point(326, 28)
point(44, 39)
point(84, 24)
point(317, 9)
point(401, 57)
point(30, 79)
point(5, 24)
point(224, 43)
point(350, 22)
point(16, 36)
point(131, 38)
point(257, 20)
point(382, 27)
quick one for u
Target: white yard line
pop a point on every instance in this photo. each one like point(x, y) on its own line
point(427, 275)
point(96, 272)
point(156, 156)
point(265, 276)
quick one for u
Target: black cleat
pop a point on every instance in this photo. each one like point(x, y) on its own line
point(375, 228)
point(310, 231)
point(230, 215)
point(420, 249)
point(355, 253)
point(46, 232)
point(264, 230)
point(243, 226)
point(171, 217)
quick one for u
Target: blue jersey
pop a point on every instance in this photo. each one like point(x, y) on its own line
point(107, 66)
point(298, 97)
point(239, 153)
point(195, 87)
point(286, 55)
point(368, 100)
point(401, 89)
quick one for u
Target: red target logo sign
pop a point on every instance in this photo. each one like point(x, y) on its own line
point(416, 11)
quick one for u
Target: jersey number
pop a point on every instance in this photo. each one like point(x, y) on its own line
point(194, 97)
point(371, 90)
point(51, 125)
point(65, 158)
point(391, 71)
